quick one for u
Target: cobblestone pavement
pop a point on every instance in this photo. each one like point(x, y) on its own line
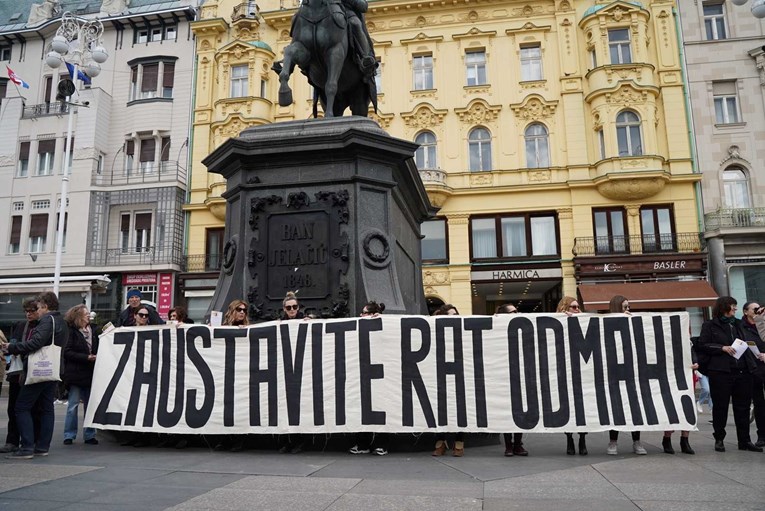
point(110, 477)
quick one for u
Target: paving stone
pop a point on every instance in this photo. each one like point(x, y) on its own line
point(354, 502)
point(658, 469)
point(421, 488)
point(576, 483)
point(29, 505)
point(697, 506)
point(520, 504)
point(223, 499)
point(295, 484)
point(725, 493)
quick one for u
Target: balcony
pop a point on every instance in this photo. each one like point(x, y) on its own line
point(145, 173)
point(44, 109)
point(684, 242)
point(735, 218)
point(435, 186)
point(245, 10)
point(134, 256)
point(202, 263)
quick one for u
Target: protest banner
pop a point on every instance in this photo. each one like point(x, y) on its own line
point(505, 373)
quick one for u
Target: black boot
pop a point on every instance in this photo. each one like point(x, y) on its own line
point(582, 444)
point(570, 450)
point(666, 442)
point(685, 447)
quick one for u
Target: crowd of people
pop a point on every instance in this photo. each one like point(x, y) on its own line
point(724, 373)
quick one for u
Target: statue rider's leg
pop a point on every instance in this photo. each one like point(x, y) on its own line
point(368, 62)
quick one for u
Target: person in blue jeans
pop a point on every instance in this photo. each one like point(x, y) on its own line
point(79, 362)
point(50, 329)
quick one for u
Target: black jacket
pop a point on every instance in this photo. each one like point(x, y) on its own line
point(714, 335)
point(50, 328)
point(127, 316)
point(78, 370)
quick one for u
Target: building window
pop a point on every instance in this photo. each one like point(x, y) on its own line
point(5, 52)
point(726, 102)
point(155, 34)
point(736, 188)
point(714, 21)
point(135, 232)
point(610, 226)
point(628, 134)
point(55, 237)
point(214, 254)
point(526, 235)
point(164, 154)
point(151, 80)
point(479, 149)
point(425, 156)
point(125, 232)
point(239, 81)
point(602, 143)
point(593, 58)
point(38, 233)
point(46, 149)
point(263, 88)
point(18, 206)
point(423, 72)
point(41, 204)
point(129, 156)
point(3, 89)
point(657, 226)
point(537, 149)
point(531, 63)
point(22, 167)
point(475, 63)
point(147, 155)
point(619, 46)
point(14, 245)
point(433, 244)
point(378, 77)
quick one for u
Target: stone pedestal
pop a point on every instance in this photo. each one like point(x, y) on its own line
point(328, 208)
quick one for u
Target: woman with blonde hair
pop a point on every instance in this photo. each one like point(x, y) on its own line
point(570, 306)
point(236, 315)
point(80, 360)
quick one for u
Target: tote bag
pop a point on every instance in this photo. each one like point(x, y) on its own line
point(44, 364)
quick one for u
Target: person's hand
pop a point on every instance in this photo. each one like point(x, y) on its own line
point(761, 356)
point(4, 346)
point(91, 358)
point(729, 350)
point(694, 366)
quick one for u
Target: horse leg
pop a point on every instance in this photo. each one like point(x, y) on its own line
point(294, 53)
point(335, 57)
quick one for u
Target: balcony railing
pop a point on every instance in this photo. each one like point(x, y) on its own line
point(735, 217)
point(684, 242)
point(134, 256)
point(245, 10)
point(202, 263)
point(433, 176)
point(142, 173)
point(43, 109)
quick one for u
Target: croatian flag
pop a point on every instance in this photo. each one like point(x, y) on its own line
point(82, 76)
point(15, 78)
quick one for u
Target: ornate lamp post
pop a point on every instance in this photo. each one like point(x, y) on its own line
point(758, 7)
point(77, 41)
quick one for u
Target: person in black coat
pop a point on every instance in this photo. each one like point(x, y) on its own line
point(127, 316)
point(729, 378)
point(50, 329)
point(79, 362)
point(749, 325)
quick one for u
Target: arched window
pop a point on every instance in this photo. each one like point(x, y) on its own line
point(628, 134)
point(537, 150)
point(479, 148)
point(736, 188)
point(425, 156)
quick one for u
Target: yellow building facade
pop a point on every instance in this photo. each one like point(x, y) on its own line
point(554, 137)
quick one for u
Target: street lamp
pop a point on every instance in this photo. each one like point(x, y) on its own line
point(758, 7)
point(79, 42)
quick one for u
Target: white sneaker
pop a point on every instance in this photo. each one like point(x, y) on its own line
point(638, 448)
point(612, 451)
point(380, 451)
point(700, 408)
point(356, 450)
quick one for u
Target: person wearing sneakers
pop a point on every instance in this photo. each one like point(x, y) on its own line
point(569, 305)
point(79, 361)
point(620, 305)
point(513, 441)
point(441, 446)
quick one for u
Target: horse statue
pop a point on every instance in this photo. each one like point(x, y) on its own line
point(332, 48)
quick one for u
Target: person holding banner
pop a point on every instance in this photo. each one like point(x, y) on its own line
point(730, 378)
point(294, 443)
point(50, 330)
point(569, 306)
point(620, 305)
point(752, 337)
point(513, 441)
point(80, 357)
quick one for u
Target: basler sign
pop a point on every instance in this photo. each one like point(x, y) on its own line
point(530, 373)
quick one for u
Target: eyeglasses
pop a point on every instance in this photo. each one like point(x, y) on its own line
point(142, 315)
point(30, 311)
point(241, 309)
point(291, 307)
point(625, 307)
point(573, 306)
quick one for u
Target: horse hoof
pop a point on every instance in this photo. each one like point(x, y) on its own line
point(285, 98)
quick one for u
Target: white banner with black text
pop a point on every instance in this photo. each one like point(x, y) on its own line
point(506, 373)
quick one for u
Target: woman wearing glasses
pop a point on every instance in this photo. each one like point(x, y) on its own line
point(513, 441)
point(142, 316)
point(570, 306)
point(620, 304)
point(291, 307)
point(295, 443)
point(236, 315)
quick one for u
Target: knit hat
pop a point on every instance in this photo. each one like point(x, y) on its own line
point(132, 293)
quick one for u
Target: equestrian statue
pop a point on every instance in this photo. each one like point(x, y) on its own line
point(332, 47)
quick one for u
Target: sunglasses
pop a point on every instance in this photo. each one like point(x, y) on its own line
point(142, 315)
point(291, 307)
point(573, 306)
point(625, 307)
point(241, 309)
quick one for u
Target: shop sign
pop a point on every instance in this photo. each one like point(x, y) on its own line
point(165, 295)
point(649, 266)
point(517, 274)
point(139, 279)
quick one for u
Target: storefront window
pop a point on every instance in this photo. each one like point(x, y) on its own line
point(747, 283)
point(520, 235)
point(434, 240)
